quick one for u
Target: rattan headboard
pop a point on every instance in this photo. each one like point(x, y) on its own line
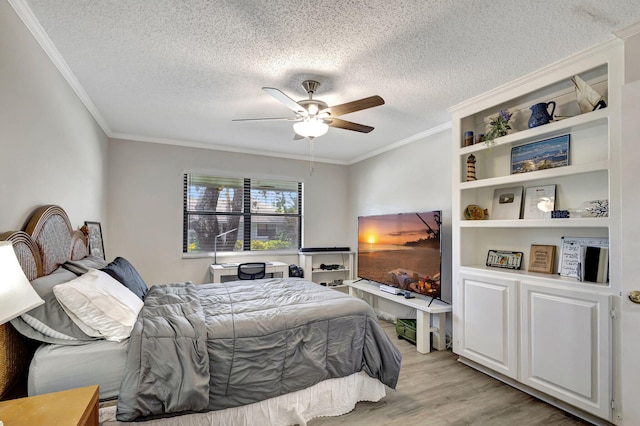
point(48, 241)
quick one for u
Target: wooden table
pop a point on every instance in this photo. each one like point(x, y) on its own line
point(71, 407)
point(424, 309)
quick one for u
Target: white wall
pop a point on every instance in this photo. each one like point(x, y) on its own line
point(414, 177)
point(629, 223)
point(145, 204)
point(51, 149)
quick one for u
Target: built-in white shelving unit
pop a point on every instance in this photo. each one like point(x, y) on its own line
point(551, 335)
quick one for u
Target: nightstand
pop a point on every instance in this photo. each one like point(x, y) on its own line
point(71, 407)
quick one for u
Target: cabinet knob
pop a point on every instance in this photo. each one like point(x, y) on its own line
point(634, 296)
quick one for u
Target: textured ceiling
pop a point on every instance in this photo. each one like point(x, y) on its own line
point(181, 71)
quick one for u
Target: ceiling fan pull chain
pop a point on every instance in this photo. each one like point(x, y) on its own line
point(311, 159)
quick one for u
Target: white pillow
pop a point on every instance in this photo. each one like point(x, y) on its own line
point(100, 302)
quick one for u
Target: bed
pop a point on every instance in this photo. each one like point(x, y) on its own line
point(272, 351)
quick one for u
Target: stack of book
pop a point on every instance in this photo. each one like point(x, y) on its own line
point(594, 264)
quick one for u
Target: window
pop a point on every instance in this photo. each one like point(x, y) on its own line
point(240, 214)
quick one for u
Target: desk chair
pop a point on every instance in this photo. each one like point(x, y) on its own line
point(252, 270)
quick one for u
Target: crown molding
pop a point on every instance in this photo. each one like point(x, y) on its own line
point(26, 15)
point(402, 142)
point(548, 74)
point(226, 148)
point(628, 32)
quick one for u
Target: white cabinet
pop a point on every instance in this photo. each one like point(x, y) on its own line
point(566, 345)
point(488, 312)
point(518, 323)
point(327, 266)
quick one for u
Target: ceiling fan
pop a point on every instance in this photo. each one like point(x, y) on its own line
point(314, 117)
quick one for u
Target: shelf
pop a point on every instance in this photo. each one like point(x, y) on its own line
point(587, 222)
point(519, 274)
point(503, 316)
point(317, 271)
point(311, 261)
point(328, 252)
point(537, 175)
point(556, 128)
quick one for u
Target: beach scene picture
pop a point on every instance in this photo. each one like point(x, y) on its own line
point(401, 250)
point(541, 155)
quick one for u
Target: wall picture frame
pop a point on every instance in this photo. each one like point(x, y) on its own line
point(542, 258)
point(506, 203)
point(94, 234)
point(540, 155)
point(539, 202)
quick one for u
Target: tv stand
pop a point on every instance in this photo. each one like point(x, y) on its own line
point(424, 309)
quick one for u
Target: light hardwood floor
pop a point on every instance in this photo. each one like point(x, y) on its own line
point(435, 389)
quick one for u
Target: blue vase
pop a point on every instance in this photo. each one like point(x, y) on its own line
point(540, 114)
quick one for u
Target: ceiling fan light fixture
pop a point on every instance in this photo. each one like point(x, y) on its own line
point(311, 128)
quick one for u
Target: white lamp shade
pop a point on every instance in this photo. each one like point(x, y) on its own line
point(16, 294)
point(311, 128)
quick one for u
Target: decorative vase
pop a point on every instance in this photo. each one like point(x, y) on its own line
point(540, 114)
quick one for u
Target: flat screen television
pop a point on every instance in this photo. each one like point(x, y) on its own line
point(401, 250)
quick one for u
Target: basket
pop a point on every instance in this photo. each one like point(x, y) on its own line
point(406, 329)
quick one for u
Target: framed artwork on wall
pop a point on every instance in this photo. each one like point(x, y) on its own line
point(96, 246)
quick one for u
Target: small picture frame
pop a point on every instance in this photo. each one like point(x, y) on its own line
point(506, 203)
point(539, 202)
point(545, 154)
point(96, 246)
point(504, 259)
point(542, 258)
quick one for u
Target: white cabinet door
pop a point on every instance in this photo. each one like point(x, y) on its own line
point(489, 322)
point(566, 345)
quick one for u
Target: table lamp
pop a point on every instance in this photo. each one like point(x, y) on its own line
point(16, 294)
point(215, 246)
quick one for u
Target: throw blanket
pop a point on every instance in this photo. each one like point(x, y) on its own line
point(214, 346)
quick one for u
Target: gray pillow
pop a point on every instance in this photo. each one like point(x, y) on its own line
point(126, 274)
point(49, 322)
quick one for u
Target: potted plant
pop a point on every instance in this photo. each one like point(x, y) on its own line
point(498, 126)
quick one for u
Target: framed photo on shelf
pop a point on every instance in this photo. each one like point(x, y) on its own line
point(542, 258)
point(504, 259)
point(545, 154)
point(539, 202)
point(569, 260)
point(507, 203)
point(96, 246)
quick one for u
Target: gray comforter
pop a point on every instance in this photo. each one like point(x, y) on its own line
point(214, 346)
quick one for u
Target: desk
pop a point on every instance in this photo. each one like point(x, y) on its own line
point(423, 313)
point(230, 271)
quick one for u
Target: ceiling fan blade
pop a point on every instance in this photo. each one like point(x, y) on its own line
point(342, 109)
point(348, 125)
point(267, 119)
point(281, 97)
point(297, 137)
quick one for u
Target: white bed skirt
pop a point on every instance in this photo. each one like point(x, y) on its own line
point(332, 397)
